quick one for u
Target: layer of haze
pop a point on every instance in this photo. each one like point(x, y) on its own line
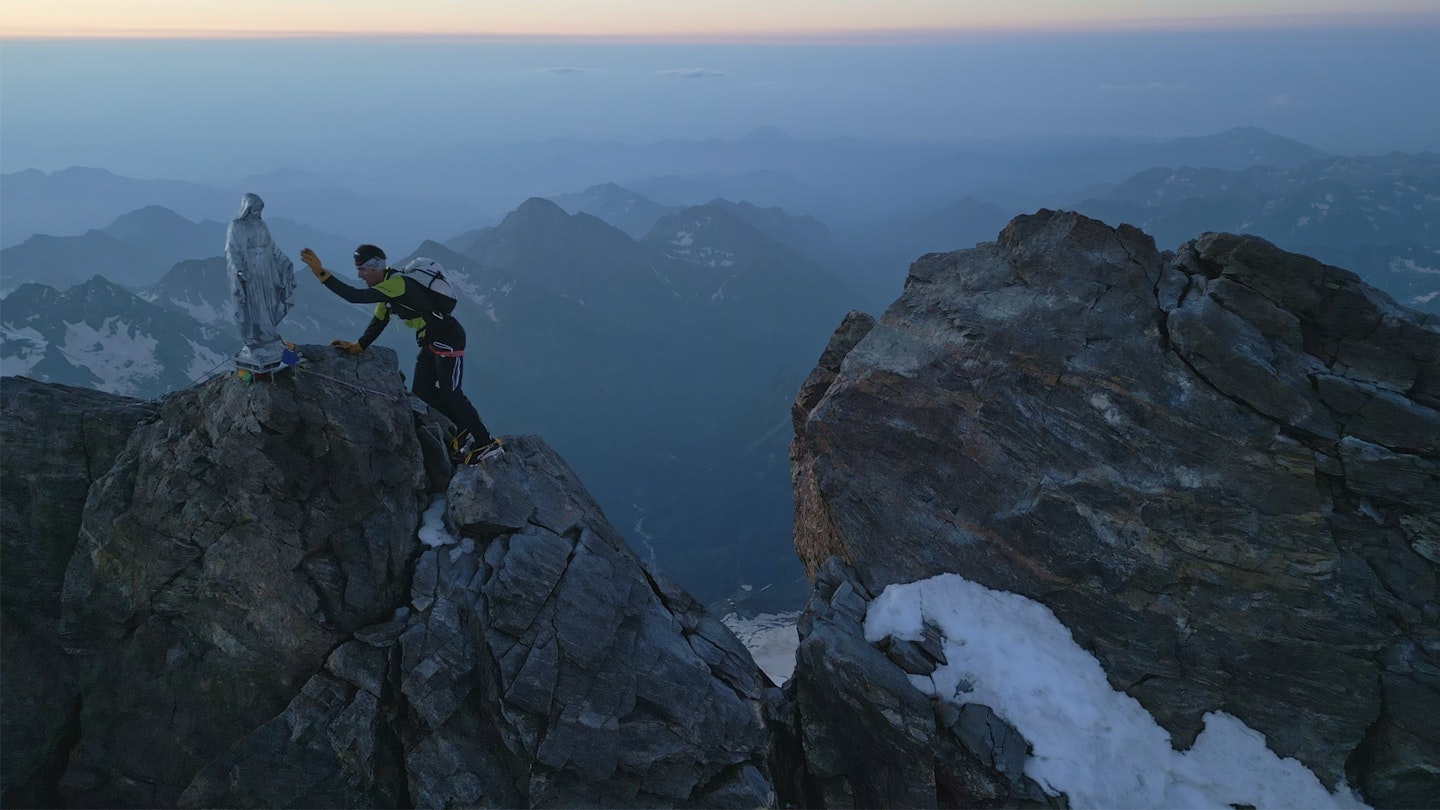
point(214, 109)
point(651, 18)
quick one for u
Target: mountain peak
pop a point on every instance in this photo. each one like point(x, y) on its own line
point(97, 284)
point(324, 603)
point(147, 220)
point(84, 173)
point(536, 210)
point(953, 439)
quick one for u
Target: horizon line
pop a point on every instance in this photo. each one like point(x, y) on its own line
point(1231, 23)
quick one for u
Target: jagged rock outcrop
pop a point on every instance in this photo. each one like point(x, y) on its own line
point(240, 536)
point(537, 664)
point(57, 441)
point(250, 617)
point(1220, 468)
point(860, 733)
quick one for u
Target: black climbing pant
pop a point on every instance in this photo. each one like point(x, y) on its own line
point(437, 384)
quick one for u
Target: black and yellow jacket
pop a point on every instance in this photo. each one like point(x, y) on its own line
point(400, 295)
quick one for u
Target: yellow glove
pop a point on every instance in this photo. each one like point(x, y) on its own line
point(313, 262)
point(347, 347)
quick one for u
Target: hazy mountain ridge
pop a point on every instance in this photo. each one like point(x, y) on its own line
point(76, 200)
point(1378, 216)
point(671, 370)
point(842, 181)
point(64, 261)
point(99, 335)
point(594, 338)
point(627, 210)
point(140, 246)
point(624, 357)
point(1398, 195)
point(201, 290)
point(800, 232)
point(722, 258)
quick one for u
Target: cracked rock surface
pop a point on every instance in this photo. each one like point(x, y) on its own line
point(57, 441)
point(538, 664)
point(603, 682)
point(1219, 467)
point(225, 602)
point(243, 532)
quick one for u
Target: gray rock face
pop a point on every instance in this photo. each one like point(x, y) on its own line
point(606, 683)
point(240, 536)
point(333, 746)
point(1220, 469)
point(247, 616)
point(57, 440)
point(861, 735)
point(538, 664)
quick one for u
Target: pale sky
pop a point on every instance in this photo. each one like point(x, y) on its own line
point(658, 18)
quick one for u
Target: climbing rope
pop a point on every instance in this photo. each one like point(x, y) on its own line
point(301, 364)
point(305, 366)
point(205, 376)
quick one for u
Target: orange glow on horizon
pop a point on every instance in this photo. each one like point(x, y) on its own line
point(740, 21)
point(736, 36)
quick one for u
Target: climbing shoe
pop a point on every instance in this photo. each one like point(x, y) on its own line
point(459, 443)
point(484, 453)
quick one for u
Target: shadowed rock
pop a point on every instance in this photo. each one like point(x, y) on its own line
point(247, 617)
point(538, 664)
point(242, 534)
point(57, 440)
point(1218, 468)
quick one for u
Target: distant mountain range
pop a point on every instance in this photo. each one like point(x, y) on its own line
point(141, 246)
point(625, 209)
point(662, 368)
point(200, 288)
point(654, 367)
point(1390, 199)
point(76, 200)
point(849, 181)
point(1376, 216)
point(840, 181)
point(99, 335)
point(657, 340)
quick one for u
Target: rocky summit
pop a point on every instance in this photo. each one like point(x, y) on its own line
point(1218, 467)
point(229, 598)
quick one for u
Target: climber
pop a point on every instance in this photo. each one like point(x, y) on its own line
point(440, 364)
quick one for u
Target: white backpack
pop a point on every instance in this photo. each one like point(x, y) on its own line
point(430, 274)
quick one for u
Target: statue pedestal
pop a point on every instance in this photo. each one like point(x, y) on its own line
point(261, 359)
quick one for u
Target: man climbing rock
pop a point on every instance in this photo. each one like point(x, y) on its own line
point(440, 364)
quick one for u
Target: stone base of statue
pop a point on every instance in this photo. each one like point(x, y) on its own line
point(262, 359)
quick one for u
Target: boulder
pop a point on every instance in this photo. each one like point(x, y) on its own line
point(244, 532)
point(542, 645)
point(1217, 467)
point(539, 663)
